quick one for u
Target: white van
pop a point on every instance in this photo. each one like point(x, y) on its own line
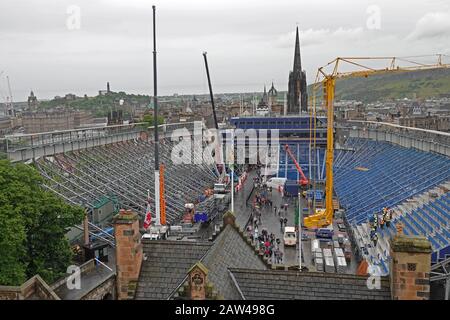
point(219, 188)
point(290, 236)
point(276, 182)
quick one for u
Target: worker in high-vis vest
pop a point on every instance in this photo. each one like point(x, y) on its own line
point(388, 218)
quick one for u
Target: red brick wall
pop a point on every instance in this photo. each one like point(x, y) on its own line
point(128, 253)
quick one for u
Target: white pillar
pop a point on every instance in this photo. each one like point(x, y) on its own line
point(157, 192)
point(300, 231)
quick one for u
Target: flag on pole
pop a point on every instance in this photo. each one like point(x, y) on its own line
point(148, 214)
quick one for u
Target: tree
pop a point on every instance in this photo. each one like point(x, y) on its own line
point(149, 119)
point(33, 224)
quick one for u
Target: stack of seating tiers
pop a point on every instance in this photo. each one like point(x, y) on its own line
point(380, 174)
point(126, 171)
point(370, 175)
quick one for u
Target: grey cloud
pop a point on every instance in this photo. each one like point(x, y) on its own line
point(249, 42)
point(432, 25)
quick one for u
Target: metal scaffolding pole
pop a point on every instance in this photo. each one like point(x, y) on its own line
point(155, 121)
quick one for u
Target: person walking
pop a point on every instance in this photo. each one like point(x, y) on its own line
point(280, 255)
point(281, 223)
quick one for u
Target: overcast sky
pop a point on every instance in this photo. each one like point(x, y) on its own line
point(249, 42)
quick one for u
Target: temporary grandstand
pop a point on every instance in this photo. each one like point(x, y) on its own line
point(297, 133)
point(124, 170)
point(371, 175)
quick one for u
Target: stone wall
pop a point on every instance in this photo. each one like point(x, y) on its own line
point(34, 288)
point(105, 291)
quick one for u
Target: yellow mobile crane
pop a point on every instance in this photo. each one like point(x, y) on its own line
point(327, 80)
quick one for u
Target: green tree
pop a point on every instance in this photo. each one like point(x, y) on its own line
point(33, 224)
point(149, 119)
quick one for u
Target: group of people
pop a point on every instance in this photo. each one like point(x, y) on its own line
point(266, 243)
point(262, 199)
point(378, 222)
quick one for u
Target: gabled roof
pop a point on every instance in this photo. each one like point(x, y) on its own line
point(166, 266)
point(230, 250)
point(294, 285)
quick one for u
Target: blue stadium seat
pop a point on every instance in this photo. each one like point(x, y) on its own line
point(371, 175)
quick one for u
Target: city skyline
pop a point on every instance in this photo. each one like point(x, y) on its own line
point(249, 44)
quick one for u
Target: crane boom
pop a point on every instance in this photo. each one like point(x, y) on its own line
point(303, 181)
point(327, 80)
point(218, 149)
point(10, 107)
point(210, 91)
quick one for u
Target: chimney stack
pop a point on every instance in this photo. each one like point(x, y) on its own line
point(410, 267)
point(129, 253)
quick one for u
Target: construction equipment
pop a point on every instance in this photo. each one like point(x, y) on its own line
point(218, 149)
point(155, 124)
point(303, 181)
point(10, 107)
point(162, 198)
point(210, 91)
point(327, 81)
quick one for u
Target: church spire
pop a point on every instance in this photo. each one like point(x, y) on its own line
point(297, 89)
point(297, 58)
point(264, 99)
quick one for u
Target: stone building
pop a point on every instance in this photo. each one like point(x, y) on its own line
point(32, 101)
point(437, 122)
point(231, 268)
point(228, 267)
point(35, 122)
point(6, 124)
point(273, 95)
point(96, 282)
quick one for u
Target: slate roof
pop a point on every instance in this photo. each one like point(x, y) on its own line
point(293, 285)
point(237, 272)
point(166, 266)
point(230, 250)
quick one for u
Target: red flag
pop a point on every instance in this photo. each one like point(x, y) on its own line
point(148, 215)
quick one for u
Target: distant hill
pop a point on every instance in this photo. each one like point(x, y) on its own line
point(390, 86)
point(99, 105)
